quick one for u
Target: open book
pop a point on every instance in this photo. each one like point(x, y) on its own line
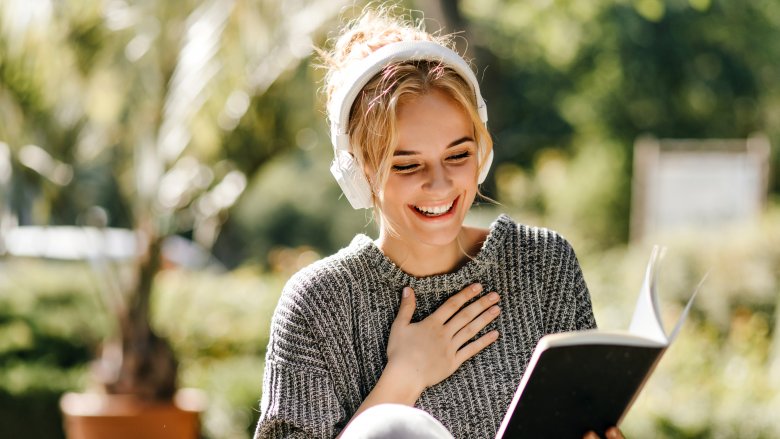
point(587, 380)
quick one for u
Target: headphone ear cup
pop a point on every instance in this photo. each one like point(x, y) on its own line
point(352, 180)
point(485, 168)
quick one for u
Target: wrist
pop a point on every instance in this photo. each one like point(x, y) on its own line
point(396, 385)
point(406, 383)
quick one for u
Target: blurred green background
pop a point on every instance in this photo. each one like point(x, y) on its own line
point(204, 117)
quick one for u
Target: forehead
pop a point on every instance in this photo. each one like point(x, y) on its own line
point(431, 119)
point(434, 97)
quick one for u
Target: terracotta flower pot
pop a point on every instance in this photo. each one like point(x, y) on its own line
point(99, 416)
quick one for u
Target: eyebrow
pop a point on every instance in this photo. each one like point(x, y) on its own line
point(452, 144)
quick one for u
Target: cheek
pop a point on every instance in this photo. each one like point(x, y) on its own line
point(397, 185)
point(394, 192)
point(467, 175)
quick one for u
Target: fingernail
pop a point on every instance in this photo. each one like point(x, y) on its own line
point(493, 297)
point(406, 292)
point(476, 288)
point(495, 310)
point(494, 334)
point(612, 433)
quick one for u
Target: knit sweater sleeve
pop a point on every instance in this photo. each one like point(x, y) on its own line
point(567, 295)
point(298, 398)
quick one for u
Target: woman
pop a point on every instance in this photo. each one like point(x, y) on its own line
point(433, 314)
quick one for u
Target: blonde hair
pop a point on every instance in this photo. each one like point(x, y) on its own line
point(372, 121)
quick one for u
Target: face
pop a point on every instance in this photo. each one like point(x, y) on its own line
point(433, 176)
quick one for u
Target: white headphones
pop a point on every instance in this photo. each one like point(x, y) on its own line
point(345, 168)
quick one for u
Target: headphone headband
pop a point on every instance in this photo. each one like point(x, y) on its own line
point(344, 167)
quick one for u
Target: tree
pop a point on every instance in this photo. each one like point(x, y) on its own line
point(582, 80)
point(117, 114)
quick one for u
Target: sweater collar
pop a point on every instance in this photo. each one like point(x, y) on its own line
point(470, 272)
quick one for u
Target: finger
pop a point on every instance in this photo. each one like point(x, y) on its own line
point(590, 435)
point(408, 305)
point(476, 325)
point(475, 347)
point(455, 303)
point(614, 433)
point(471, 312)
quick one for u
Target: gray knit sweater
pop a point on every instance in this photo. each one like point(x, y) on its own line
point(330, 329)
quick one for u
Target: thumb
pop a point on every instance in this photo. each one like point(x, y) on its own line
point(408, 305)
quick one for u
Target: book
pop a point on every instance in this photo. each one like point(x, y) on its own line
point(580, 381)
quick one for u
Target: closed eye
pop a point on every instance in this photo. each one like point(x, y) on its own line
point(459, 157)
point(401, 169)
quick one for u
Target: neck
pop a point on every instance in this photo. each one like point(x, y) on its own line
point(421, 260)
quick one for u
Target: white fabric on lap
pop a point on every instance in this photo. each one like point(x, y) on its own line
point(395, 421)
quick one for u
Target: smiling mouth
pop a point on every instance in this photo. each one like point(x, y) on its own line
point(435, 211)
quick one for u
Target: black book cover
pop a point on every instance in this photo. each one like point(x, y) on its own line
point(580, 381)
point(580, 388)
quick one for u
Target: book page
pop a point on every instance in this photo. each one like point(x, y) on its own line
point(684, 314)
point(646, 321)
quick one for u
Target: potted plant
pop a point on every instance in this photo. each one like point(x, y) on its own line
point(137, 371)
point(152, 75)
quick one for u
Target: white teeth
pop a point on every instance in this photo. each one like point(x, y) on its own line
point(434, 211)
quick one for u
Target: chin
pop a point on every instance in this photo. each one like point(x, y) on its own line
point(436, 231)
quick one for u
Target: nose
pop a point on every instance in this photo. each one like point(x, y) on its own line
point(437, 179)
